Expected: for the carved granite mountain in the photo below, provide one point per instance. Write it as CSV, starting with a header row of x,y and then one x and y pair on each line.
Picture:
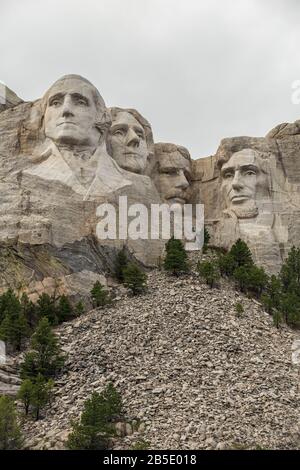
x,y
66,154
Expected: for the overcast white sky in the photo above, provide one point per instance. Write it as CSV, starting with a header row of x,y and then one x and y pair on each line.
x,y
198,70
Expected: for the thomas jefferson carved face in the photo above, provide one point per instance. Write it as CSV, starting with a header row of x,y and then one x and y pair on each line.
x,y
71,113
127,142
244,183
174,173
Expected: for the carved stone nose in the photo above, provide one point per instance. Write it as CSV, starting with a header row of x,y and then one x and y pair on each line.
x,y
182,181
132,138
67,112
237,183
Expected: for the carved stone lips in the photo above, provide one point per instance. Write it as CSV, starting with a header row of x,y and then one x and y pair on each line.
x,y
135,154
239,198
178,199
66,122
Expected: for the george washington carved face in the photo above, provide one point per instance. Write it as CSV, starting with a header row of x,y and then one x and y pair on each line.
x,y
73,109
244,183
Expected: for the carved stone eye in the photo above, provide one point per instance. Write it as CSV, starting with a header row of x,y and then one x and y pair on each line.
x,y
55,103
227,175
119,132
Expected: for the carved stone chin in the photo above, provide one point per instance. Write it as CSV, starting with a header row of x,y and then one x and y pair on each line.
x,y
245,212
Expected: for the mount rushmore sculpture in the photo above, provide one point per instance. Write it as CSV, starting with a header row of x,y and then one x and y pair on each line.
x,y
65,154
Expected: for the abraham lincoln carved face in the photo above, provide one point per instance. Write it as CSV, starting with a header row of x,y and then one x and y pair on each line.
x,y
244,183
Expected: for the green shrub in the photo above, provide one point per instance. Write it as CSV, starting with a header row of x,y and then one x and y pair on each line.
x,y
209,271
100,296
239,309
46,357
120,265
176,260
95,427
134,278
10,434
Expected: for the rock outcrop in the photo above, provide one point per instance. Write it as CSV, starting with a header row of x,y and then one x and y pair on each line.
x,y
8,99
9,378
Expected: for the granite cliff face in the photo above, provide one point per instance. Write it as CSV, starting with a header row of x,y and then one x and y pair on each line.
x,y
55,174
66,154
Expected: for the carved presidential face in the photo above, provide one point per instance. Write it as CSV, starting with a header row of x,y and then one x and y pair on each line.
x,y
174,175
244,183
127,142
71,114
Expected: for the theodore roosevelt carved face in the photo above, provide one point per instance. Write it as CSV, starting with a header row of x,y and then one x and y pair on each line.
x,y
244,183
173,173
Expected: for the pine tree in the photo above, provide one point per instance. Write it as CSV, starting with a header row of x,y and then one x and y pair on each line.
x,y
46,308
64,309
290,308
134,278
30,366
120,265
227,265
9,304
25,394
13,326
290,271
206,240
29,311
10,434
79,308
95,426
46,358
100,296
239,309
251,278
112,398
271,298
41,395
176,257
241,254
277,318
209,271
